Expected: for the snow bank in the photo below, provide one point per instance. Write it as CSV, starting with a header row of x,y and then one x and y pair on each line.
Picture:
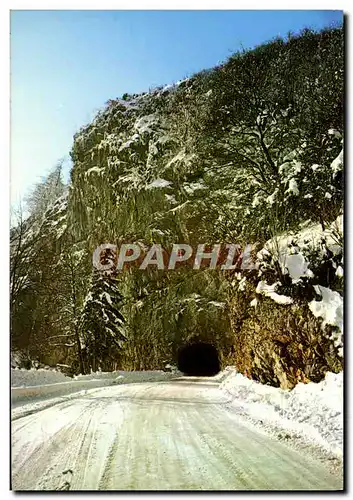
x,y
312,411
127,377
26,378
30,384
30,393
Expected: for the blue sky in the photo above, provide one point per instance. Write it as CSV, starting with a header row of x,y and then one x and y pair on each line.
x,y
66,64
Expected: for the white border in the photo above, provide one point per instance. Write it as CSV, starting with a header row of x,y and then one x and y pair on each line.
x,y
4,185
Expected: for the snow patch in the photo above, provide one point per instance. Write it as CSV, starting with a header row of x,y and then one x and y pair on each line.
x,y
309,239
330,309
293,187
296,266
194,186
158,183
145,123
217,304
339,272
337,164
269,291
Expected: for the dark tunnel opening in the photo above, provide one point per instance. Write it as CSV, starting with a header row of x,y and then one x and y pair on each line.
x,y
198,359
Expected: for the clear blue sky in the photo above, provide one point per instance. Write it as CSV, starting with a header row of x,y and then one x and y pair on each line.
x,y
66,64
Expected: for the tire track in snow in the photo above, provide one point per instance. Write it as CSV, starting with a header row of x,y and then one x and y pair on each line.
x,y
57,438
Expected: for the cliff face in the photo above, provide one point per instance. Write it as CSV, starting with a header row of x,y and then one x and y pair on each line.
x,y
239,153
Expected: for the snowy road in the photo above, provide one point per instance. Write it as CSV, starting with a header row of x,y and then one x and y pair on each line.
x,y
176,435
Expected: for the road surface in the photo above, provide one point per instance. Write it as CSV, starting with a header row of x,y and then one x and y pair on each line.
x,y
176,435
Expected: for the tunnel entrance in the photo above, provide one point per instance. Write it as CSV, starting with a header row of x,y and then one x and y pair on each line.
x,y
198,359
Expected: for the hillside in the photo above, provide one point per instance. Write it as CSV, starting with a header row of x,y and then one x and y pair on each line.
x,y
249,152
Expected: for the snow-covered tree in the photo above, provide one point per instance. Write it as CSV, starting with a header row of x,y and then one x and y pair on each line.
x,y
101,323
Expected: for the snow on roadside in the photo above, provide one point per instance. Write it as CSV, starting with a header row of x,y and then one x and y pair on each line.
x,y
32,384
127,377
26,378
31,378
312,411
